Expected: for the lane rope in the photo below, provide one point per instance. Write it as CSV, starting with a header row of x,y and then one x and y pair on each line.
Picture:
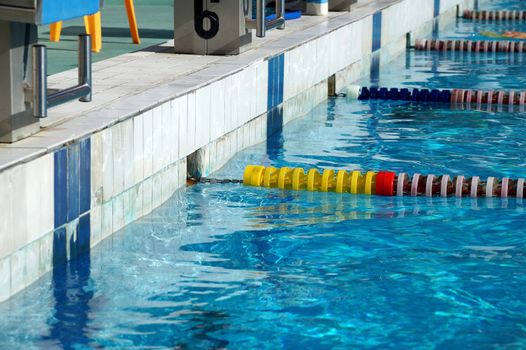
x,y
470,45
504,15
382,183
454,96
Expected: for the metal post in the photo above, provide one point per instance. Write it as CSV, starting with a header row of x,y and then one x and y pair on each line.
x,y
16,115
39,81
85,64
81,91
280,13
260,18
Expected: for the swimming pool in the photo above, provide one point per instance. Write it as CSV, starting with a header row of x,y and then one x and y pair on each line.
x,y
230,266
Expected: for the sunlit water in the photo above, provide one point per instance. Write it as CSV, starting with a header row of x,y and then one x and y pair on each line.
x,y
226,266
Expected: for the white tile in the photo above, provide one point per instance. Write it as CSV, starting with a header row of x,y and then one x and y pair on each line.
x,y
46,254
32,262
138,149
251,88
166,191
217,109
138,198
182,173
148,143
96,225
128,151
203,112
18,270
6,208
107,164
20,207
118,158
118,212
230,102
107,219
166,137
262,87
246,135
33,213
176,120
157,190
47,193
147,196
157,140
220,155
253,132
96,169
128,204
5,278
242,97
191,139
182,115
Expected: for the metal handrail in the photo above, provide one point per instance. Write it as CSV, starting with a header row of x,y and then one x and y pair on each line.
x,y
261,24
82,91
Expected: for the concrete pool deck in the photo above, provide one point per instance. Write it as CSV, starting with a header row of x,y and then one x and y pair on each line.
x,y
155,116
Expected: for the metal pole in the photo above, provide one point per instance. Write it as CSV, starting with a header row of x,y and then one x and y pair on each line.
x,y
85,77
260,18
280,12
39,81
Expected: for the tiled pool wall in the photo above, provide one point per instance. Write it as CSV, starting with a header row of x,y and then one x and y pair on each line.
x,y
61,204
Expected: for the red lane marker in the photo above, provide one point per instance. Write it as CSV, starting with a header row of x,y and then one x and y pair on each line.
x,y
385,183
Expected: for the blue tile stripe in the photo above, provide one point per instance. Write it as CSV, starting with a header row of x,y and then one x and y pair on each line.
x,y
377,31
276,76
73,187
72,199
61,187
436,11
85,175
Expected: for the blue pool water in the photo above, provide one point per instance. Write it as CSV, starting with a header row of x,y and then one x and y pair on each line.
x,y
226,266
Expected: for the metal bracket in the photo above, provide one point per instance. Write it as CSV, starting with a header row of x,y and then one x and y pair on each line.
x,y
41,98
261,24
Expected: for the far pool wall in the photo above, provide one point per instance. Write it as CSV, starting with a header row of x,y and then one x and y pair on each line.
x,y
67,199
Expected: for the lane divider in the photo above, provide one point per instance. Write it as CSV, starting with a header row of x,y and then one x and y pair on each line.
x,y
455,96
469,45
495,15
382,183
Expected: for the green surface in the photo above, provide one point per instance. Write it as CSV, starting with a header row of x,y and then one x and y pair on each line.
x,y
154,18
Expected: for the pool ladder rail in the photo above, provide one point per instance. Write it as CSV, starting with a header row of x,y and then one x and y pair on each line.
x,y
41,97
382,183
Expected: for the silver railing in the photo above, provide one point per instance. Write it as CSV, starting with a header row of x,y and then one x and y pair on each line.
x,y
41,99
261,24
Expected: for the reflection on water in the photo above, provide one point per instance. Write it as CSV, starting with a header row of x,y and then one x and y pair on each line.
x,y
72,292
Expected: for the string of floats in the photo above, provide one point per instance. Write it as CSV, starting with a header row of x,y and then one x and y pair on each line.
x,y
383,183
467,96
513,15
